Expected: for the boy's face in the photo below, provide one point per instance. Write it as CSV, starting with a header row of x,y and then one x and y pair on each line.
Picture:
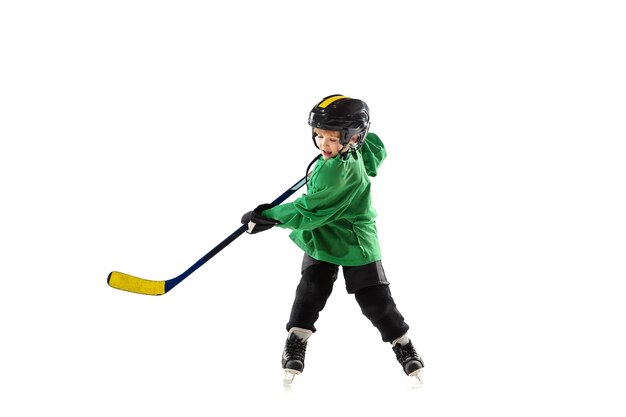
x,y
329,142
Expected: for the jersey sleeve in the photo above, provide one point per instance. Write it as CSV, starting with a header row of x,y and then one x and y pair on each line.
x,y
374,153
335,187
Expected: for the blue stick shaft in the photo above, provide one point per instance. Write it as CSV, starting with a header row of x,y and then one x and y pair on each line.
x,y
175,281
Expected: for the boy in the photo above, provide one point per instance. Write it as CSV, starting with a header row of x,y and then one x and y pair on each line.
x,y
333,223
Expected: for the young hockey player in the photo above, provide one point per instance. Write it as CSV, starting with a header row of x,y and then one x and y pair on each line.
x,y
333,223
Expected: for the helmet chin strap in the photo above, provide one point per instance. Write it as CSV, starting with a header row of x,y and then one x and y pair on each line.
x,y
347,148
308,168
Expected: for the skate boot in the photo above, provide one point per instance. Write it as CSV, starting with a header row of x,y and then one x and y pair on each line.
x,y
411,362
293,354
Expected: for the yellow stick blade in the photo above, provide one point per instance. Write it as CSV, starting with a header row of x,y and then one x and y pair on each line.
x,y
134,284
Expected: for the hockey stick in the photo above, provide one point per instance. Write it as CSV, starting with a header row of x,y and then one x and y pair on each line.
x,y
138,285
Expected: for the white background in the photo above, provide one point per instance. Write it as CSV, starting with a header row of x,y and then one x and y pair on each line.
x,y
135,134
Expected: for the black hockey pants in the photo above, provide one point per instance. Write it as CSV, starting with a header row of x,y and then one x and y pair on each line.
x,y
369,286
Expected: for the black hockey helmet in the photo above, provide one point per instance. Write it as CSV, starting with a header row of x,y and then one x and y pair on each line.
x,y
350,116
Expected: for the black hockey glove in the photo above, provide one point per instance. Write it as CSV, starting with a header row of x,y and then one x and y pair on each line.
x,y
257,223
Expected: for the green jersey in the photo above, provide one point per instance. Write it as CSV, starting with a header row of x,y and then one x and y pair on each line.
x,y
334,220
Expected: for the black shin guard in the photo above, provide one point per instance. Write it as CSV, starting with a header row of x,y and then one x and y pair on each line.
x,y
378,306
312,293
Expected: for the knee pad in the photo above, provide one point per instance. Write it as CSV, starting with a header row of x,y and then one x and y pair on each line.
x,y
316,280
375,302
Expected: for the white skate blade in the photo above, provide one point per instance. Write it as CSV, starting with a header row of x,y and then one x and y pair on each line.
x,y
418,375
289,375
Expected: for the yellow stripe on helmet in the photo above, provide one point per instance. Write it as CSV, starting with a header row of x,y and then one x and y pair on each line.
x,y
330,100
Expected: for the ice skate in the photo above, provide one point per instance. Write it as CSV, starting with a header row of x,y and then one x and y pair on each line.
x,y
411,362
293,354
